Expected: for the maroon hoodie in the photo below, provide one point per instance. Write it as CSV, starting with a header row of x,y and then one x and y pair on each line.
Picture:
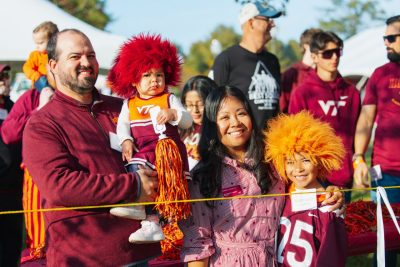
x,y
338,103
67,151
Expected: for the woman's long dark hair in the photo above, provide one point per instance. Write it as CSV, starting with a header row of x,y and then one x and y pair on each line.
x,y
203,86
208,171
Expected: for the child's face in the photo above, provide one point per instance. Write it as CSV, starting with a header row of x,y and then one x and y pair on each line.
x,y
40,40
151,84
234,126
195,105
301,171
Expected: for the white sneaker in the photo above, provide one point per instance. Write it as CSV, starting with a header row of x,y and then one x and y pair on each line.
x,y
134,212
150,232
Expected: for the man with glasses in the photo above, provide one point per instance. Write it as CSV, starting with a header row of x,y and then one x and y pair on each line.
x,y
382,105
10,183
248,66
330,98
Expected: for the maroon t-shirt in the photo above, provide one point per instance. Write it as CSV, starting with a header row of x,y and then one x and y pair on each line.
x,y
292,78
383,90
311,238
337,103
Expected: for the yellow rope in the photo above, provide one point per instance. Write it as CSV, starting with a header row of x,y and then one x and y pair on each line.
x,y
184,201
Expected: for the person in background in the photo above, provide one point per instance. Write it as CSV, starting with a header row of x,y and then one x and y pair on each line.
x,y
381,104
308,152
193,97
12,131
10,183
35,66
68,151
234,232
332,99
298,72
249,66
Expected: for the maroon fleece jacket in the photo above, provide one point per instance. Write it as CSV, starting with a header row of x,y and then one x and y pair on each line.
x,y
68,153
337,103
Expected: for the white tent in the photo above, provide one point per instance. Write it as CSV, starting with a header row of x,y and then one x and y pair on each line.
x,y
363,52
20,17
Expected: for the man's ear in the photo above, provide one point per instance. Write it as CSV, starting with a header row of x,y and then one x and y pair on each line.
x,y
314,58
52,66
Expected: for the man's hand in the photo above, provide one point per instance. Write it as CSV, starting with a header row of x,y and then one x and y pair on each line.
x,y
149,182
165,115
361,176
127,150
334,197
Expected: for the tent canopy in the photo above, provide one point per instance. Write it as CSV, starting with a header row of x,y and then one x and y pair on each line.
x,y
20,17
363,53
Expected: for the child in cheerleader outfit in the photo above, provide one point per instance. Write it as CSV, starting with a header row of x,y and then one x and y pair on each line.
x,y
143,70
304,150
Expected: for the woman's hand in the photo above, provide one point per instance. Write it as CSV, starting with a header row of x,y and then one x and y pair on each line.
x,y
335,198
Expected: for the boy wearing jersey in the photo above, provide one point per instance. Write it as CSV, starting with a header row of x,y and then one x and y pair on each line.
x,y
142,72
304,150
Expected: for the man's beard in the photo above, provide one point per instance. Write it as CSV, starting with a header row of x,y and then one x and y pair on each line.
x,y
393,56
79,86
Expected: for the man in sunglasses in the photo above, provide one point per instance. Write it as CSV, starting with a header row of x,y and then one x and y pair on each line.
x,y
329,97
248,66
10,183
382,105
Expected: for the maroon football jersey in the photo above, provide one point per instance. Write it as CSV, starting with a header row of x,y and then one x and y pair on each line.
x,y
311,238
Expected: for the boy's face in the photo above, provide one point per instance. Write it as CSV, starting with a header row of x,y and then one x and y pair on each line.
x,y
328,59
301,171
151,84
40,39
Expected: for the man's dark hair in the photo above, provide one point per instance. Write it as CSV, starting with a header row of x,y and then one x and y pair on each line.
x,y
393,19
306,37
52,52
321,39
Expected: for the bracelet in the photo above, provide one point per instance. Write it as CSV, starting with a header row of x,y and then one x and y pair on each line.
x,y
356,156
357,162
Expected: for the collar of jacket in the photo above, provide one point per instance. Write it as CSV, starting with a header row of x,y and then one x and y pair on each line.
x,y
97,98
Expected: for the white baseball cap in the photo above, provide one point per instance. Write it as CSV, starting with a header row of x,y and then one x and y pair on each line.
x,y
250,10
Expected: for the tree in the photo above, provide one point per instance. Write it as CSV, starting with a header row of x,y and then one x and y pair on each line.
x,y
200,58
90,11
348,17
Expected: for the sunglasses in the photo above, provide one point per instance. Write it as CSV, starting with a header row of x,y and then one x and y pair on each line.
x,y
4,75
327,54
391,38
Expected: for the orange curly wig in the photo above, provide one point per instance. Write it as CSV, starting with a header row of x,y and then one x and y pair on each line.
x,y
302,133
140,54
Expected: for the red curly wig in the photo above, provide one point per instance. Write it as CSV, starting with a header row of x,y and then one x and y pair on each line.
x,y
137,56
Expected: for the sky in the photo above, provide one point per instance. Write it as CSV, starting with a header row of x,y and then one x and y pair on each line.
x,y
187,21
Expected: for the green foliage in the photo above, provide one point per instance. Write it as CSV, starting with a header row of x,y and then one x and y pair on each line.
x,y
200,59
90,11
286,53
348,17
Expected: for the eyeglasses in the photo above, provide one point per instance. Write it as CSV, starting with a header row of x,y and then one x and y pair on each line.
x,y
199,106
327,54
263,18
4,75
391,38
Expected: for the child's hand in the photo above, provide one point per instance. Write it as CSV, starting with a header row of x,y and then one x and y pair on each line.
x,y
127,150
334,197
165,115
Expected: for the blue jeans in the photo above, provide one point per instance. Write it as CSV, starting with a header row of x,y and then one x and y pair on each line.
x,y
393,197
